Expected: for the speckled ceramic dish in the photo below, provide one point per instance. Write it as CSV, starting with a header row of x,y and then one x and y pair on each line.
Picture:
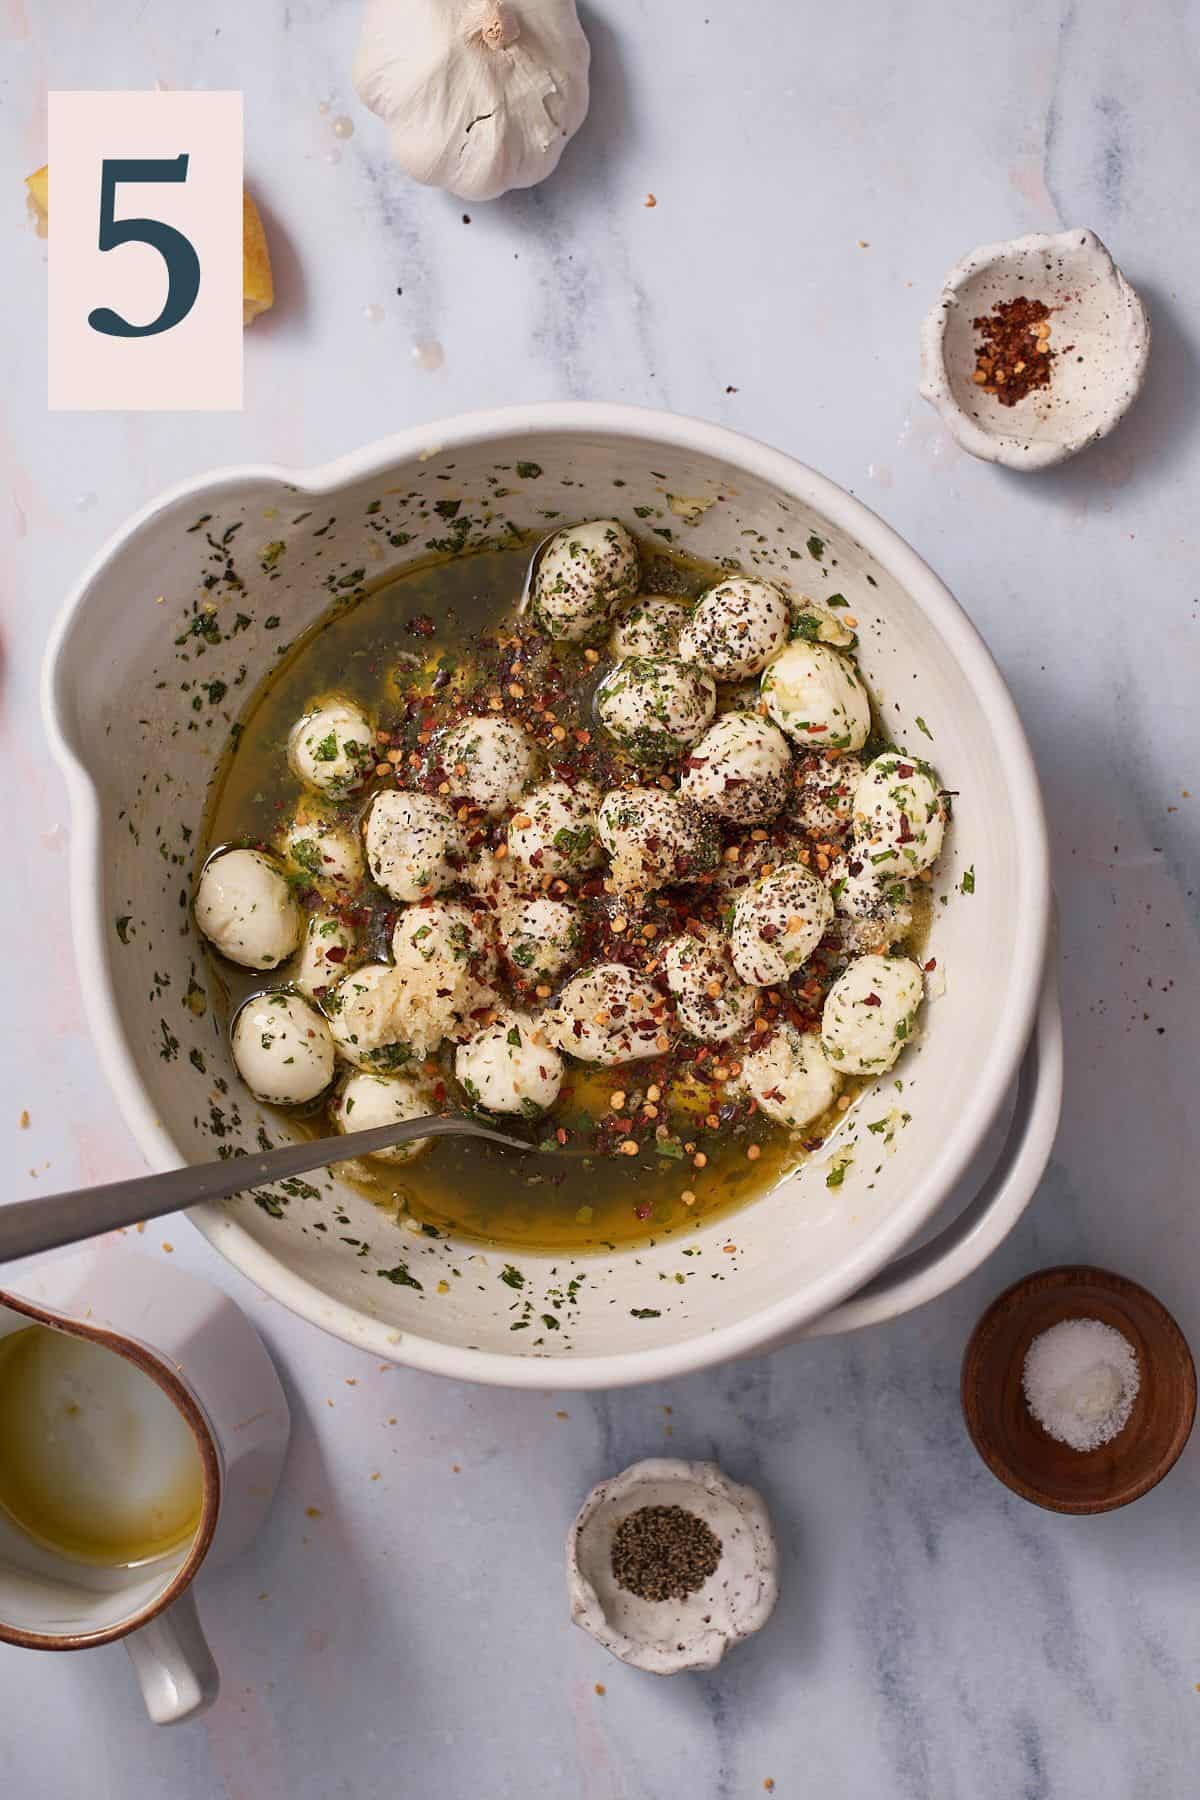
x,y
1099,337
166,636
694,1630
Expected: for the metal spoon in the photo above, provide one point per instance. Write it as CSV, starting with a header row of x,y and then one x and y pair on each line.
x,y
28,1226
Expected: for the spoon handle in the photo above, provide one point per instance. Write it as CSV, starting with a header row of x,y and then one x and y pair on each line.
x,y
49,1220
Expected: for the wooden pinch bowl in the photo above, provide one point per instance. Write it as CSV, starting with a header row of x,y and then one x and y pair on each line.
x,y
1024,1456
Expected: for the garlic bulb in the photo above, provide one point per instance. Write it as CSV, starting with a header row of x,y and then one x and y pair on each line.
x,y
479,95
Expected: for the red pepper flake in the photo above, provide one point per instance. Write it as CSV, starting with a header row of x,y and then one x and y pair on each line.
x,y
1013,356
931,965
872,1000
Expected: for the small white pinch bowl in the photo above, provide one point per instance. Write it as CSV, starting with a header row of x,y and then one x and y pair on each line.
x,y
668,1636
1092,387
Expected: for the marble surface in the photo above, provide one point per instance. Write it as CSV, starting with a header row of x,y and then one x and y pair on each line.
x,y
401,1628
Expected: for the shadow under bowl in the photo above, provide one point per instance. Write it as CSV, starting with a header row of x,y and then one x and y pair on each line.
x,y
1023,1455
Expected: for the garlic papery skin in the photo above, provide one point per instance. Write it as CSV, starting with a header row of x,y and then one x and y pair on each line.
x,y
479,96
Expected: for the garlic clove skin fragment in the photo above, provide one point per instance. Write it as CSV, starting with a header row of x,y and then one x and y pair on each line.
x,y
479,96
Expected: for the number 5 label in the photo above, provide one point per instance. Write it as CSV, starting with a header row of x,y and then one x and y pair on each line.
x,y
145,251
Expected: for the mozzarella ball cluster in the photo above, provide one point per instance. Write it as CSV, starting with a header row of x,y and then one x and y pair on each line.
x,y
583,573
654,707
710,856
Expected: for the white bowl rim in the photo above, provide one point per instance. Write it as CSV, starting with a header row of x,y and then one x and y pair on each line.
x,y
772,1324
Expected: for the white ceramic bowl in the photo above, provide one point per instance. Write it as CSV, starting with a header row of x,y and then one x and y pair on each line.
x,y
138,755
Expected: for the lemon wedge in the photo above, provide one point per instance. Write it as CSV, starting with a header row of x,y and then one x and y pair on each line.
x,y
258,289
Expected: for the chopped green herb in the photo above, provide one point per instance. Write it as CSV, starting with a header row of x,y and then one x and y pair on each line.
x,y
400,1277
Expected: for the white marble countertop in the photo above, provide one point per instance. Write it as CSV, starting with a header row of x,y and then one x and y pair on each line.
x,y
816,171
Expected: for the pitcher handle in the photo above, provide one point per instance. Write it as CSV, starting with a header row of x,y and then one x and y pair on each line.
x,y
174,1664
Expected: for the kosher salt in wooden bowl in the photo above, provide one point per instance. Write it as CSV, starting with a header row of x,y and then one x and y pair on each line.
x,y
1023,1455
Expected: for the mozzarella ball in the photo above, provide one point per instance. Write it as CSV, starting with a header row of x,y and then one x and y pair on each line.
x,y
817,696
608,1014
324,954
737,627
499,879
541,938
246,909
489,761
899,815
582,574
282,1048
650,627
509,1067
875,911
553,832
790,1077
362,1018
445,965
366,1101
871,1012
820,624
332,748
822,796
777,924
655,707
328,854
740,769
655,837
414,844
447,933
713,1003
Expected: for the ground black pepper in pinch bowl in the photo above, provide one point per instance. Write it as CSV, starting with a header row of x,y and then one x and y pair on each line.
x,y
670,1563
664,1553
